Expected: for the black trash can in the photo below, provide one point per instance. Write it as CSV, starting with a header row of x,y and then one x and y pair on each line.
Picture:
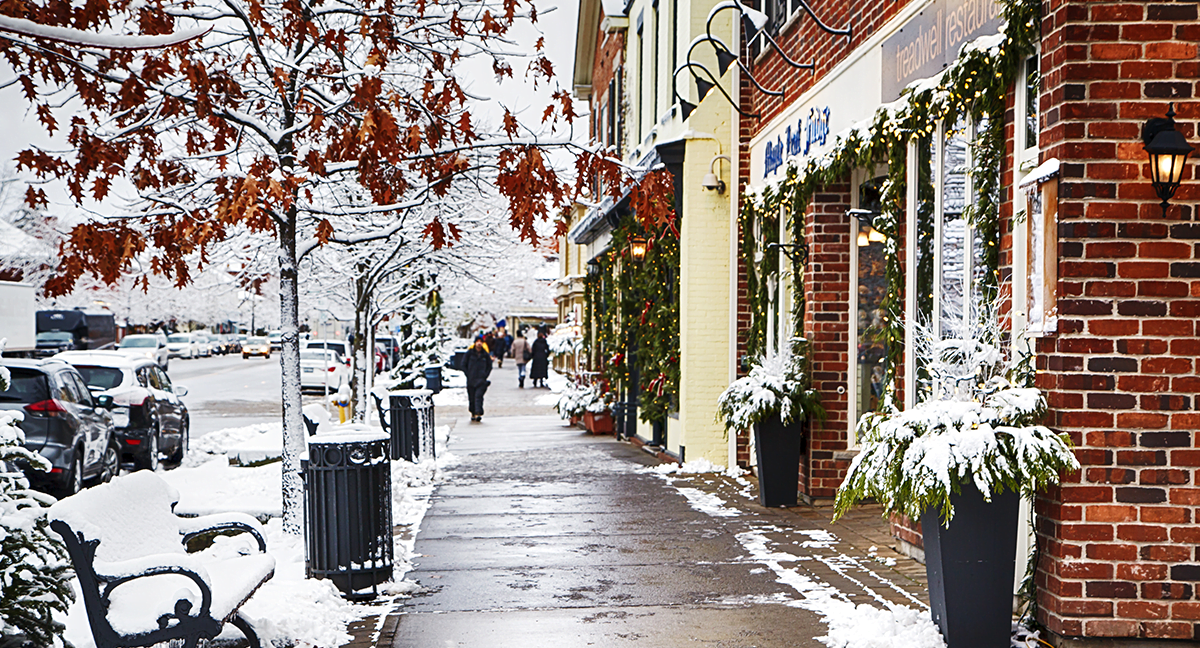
x,y
433,378
408,420
456,361
348,512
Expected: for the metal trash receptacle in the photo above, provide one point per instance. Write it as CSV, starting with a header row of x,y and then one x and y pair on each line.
x,y
348,511
408,420
456,360
433,378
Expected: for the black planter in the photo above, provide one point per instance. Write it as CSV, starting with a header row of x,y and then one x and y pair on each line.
x,y
777,448
970,566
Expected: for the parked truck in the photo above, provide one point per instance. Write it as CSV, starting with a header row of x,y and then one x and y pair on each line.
x,y
79,330
17,318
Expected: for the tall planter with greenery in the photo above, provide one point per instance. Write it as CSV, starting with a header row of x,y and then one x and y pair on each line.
x,y
775,399
959,461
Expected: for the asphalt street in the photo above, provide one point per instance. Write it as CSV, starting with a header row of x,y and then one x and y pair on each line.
x,y
227,391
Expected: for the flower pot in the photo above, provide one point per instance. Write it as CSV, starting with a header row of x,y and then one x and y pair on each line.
x,y
970,567
777,447
601,423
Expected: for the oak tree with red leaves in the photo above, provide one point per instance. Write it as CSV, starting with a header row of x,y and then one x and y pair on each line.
x,y
267,116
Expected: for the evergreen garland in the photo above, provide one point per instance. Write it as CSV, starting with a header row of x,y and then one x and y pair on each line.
x,y
975,86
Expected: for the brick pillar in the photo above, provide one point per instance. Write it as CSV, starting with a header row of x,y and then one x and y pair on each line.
x,y
1120,538
827,326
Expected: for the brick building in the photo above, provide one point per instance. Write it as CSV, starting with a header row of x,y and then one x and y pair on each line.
x,y
1102,284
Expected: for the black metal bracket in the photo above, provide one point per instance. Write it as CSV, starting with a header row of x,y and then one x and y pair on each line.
x,y
796,252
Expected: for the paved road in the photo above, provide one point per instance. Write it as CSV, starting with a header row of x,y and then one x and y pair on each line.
x,y
227,391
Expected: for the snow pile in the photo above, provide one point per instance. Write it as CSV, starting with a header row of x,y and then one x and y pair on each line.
x,y
865,626
694,467
203,449
778,384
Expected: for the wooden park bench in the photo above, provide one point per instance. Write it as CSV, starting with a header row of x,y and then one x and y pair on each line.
x,y
140,585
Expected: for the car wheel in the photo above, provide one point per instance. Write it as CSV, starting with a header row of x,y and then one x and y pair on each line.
x,y
149,460
74,481
112,463
245,356
176,456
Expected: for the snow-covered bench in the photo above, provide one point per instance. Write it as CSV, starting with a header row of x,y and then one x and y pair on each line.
x,y
140,585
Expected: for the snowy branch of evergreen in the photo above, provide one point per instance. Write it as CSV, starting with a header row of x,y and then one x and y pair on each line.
x,y
577,400
779,383
34,569
979,421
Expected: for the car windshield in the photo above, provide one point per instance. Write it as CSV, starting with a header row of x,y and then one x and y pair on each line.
x,y
333,346
25,386
54,336
180,337
100,378
317,356
139,341
257,340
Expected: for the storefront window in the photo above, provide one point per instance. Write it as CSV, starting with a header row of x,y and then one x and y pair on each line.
x,y
869,255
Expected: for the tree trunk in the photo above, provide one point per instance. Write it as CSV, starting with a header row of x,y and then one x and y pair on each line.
x,y
289,361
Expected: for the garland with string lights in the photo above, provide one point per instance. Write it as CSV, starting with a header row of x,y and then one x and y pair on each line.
x,y
640,300
975,86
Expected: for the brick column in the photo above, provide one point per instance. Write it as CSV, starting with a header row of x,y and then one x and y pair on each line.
x,y
1120,538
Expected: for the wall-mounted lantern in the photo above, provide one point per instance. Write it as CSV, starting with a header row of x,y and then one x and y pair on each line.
x,y
1168,152
637,249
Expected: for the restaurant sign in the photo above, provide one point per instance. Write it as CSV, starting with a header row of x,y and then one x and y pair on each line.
x,y
931,40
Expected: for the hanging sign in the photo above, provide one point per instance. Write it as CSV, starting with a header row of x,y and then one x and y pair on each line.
x,y
931,40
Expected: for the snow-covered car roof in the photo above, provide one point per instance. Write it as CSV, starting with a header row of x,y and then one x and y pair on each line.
x,y
113,359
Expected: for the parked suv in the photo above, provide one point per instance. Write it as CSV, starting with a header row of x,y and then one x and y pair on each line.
x,y
63,422
183,345
150,419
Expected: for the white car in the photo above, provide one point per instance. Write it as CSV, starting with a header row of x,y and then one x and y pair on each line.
x,y
321,369
204,343
150,421
149,345
342,348
183,345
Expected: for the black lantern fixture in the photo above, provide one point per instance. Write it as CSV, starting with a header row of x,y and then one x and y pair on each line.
x,y
1168,152
637,249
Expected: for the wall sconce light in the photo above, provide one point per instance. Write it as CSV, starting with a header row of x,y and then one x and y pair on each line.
x,y
1168,152
711,181
637,249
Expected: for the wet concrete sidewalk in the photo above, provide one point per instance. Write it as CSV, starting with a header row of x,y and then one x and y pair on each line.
x,y
542,534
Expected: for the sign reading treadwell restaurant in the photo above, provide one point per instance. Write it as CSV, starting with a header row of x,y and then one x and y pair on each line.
x,y
922,47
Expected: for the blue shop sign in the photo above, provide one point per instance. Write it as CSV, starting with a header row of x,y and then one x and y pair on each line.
x,y
798,139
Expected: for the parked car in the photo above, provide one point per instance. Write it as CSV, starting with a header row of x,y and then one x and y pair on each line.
x,y
52,342
149,417
256,346
63,422
341,346
204,343
276,338
321,369
233,343
149,345
393,349
183,345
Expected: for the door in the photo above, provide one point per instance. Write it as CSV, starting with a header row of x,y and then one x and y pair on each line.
x,y
95,425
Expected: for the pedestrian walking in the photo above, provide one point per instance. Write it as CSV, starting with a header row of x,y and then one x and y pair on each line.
x,y
522,353
540,360
499,347
477,365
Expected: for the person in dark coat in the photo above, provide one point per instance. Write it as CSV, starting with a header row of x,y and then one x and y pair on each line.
x,y
539,368
477,366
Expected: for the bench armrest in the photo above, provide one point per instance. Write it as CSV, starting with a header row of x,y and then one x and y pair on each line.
x,y
113,574
191,527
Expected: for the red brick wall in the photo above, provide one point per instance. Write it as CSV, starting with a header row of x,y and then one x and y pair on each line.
x,y
1121,539
827,327
610,48
804,42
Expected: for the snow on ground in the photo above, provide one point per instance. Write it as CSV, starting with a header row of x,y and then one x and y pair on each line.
x,y
288,610
879,625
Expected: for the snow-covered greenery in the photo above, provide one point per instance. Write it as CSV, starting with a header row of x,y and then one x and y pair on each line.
x,y
576,400
565,338
979,421
34,569
779,383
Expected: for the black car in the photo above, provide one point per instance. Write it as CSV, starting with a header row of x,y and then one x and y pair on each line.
x,y
63,422
52,342
151,421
